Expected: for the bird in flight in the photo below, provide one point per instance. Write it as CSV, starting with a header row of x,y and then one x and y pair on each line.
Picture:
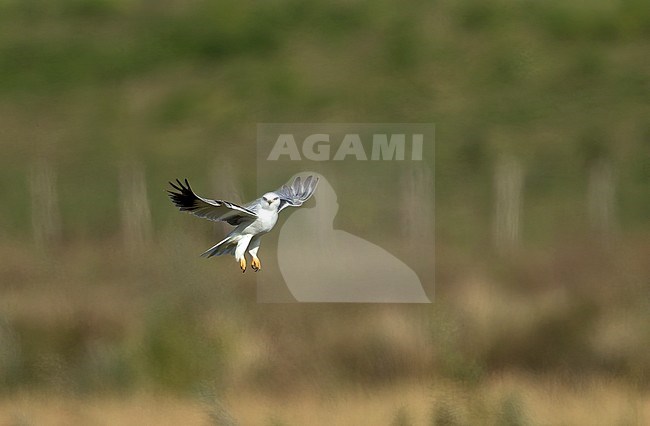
x,y
251,221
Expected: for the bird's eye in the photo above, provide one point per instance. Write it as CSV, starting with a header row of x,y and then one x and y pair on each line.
x,y
276,198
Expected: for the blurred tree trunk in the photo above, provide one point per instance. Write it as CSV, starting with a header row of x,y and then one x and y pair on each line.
x,y
417,206
508,185
601,195
46,217
135,212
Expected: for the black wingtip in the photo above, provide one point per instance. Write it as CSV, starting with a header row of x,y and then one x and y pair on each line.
x,y
175,187
184,199
181,186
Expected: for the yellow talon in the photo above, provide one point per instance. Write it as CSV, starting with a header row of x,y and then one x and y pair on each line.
x,y
255,264
242,264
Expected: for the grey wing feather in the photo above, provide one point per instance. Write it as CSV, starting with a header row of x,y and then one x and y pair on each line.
x,y
217,210
297,193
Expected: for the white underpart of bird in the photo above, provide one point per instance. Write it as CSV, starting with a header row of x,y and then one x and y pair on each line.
x,y
251,221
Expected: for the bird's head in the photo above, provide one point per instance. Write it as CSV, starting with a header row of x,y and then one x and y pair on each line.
x,y
270,201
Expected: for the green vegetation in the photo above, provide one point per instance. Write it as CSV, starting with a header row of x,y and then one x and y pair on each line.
x,y
176,88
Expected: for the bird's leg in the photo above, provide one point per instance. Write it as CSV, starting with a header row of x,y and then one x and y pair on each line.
x,y
255,264
252,250
241,249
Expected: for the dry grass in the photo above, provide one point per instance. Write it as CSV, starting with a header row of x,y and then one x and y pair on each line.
x,y
510,399
140,409
89,346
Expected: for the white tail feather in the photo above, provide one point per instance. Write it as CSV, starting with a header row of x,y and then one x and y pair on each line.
x,y
225,246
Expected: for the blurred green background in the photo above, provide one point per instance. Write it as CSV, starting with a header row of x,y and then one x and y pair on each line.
x,y
542,200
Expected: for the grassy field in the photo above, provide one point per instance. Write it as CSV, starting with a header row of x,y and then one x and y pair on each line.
x,y
96,336
107,315
503,400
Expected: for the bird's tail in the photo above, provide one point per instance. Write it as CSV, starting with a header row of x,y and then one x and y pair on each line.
x,y
225,246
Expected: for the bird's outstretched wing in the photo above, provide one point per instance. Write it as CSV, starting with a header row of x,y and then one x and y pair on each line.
x,y
218,210
297,193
